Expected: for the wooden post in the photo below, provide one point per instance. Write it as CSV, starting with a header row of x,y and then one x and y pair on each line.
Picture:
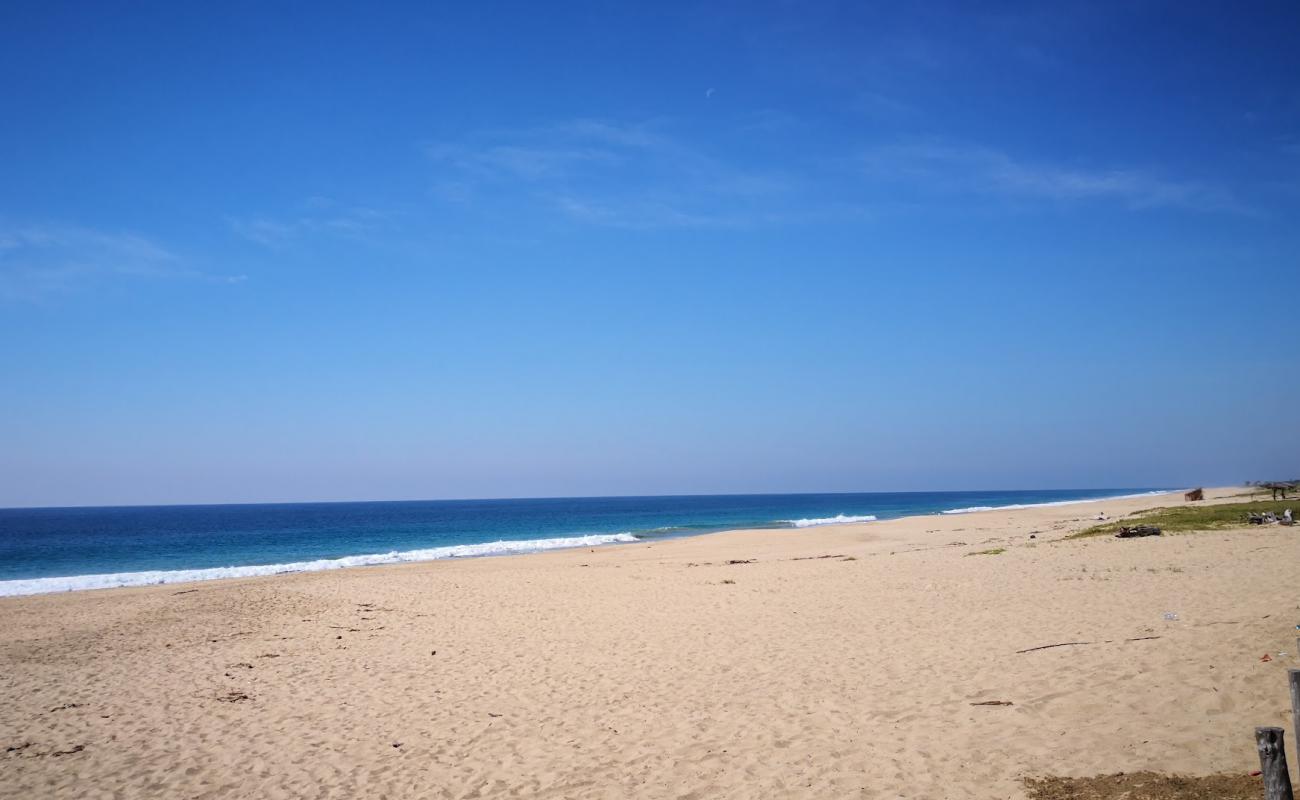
x,y
1293,675
1272,762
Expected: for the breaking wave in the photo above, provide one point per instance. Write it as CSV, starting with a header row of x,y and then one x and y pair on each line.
x,y
152,577
838,519
1015,506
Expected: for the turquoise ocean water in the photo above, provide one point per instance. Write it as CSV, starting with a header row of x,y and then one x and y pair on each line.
x,y
61,549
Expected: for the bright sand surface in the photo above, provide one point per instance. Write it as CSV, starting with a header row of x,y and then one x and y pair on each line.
x,y
661,670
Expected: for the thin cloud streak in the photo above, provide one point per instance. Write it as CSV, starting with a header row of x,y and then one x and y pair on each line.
x,y
355,222
969,169
40,260
609,174
639,176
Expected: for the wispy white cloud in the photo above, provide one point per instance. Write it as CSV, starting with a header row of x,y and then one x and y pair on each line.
x,y
883,106
644,215
529,162
39,260
263,231
599,172
642,176
969,169
320,215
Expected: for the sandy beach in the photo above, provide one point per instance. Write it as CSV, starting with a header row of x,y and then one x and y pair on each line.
x,y
840,661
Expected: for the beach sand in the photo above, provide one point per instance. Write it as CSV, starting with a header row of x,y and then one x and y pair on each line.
x,y
840,661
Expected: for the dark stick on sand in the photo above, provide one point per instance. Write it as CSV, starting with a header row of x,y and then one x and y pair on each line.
x,y
1072,644
1049,646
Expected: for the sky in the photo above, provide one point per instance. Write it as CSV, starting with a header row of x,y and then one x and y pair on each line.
x,y
259,252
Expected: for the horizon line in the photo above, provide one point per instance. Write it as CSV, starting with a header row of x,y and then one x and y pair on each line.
x,y
91,506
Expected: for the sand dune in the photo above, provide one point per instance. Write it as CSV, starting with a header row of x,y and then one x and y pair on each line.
x,y
838,661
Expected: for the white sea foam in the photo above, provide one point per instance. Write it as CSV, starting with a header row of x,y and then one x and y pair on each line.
x,y
116,579
1015,506
838,519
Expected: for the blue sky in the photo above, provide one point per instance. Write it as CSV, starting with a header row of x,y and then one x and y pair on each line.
x,y
273,251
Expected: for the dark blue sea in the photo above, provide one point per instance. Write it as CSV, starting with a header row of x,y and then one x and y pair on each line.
x,y
60,549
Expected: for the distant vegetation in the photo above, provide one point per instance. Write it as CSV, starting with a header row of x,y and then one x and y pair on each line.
x,y
1194,518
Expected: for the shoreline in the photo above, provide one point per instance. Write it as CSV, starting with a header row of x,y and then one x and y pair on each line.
x,y
734,665
26,587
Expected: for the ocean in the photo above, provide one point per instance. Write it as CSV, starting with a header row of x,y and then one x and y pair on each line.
x,y
64,549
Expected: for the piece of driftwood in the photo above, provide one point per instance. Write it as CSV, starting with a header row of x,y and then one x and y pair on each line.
x,y
1130,532
1050,646
1272,763
994,703
1072,644
1195,494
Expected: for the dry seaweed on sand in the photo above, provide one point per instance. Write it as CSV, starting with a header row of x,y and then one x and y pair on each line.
x,y
1145,786
1137,531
